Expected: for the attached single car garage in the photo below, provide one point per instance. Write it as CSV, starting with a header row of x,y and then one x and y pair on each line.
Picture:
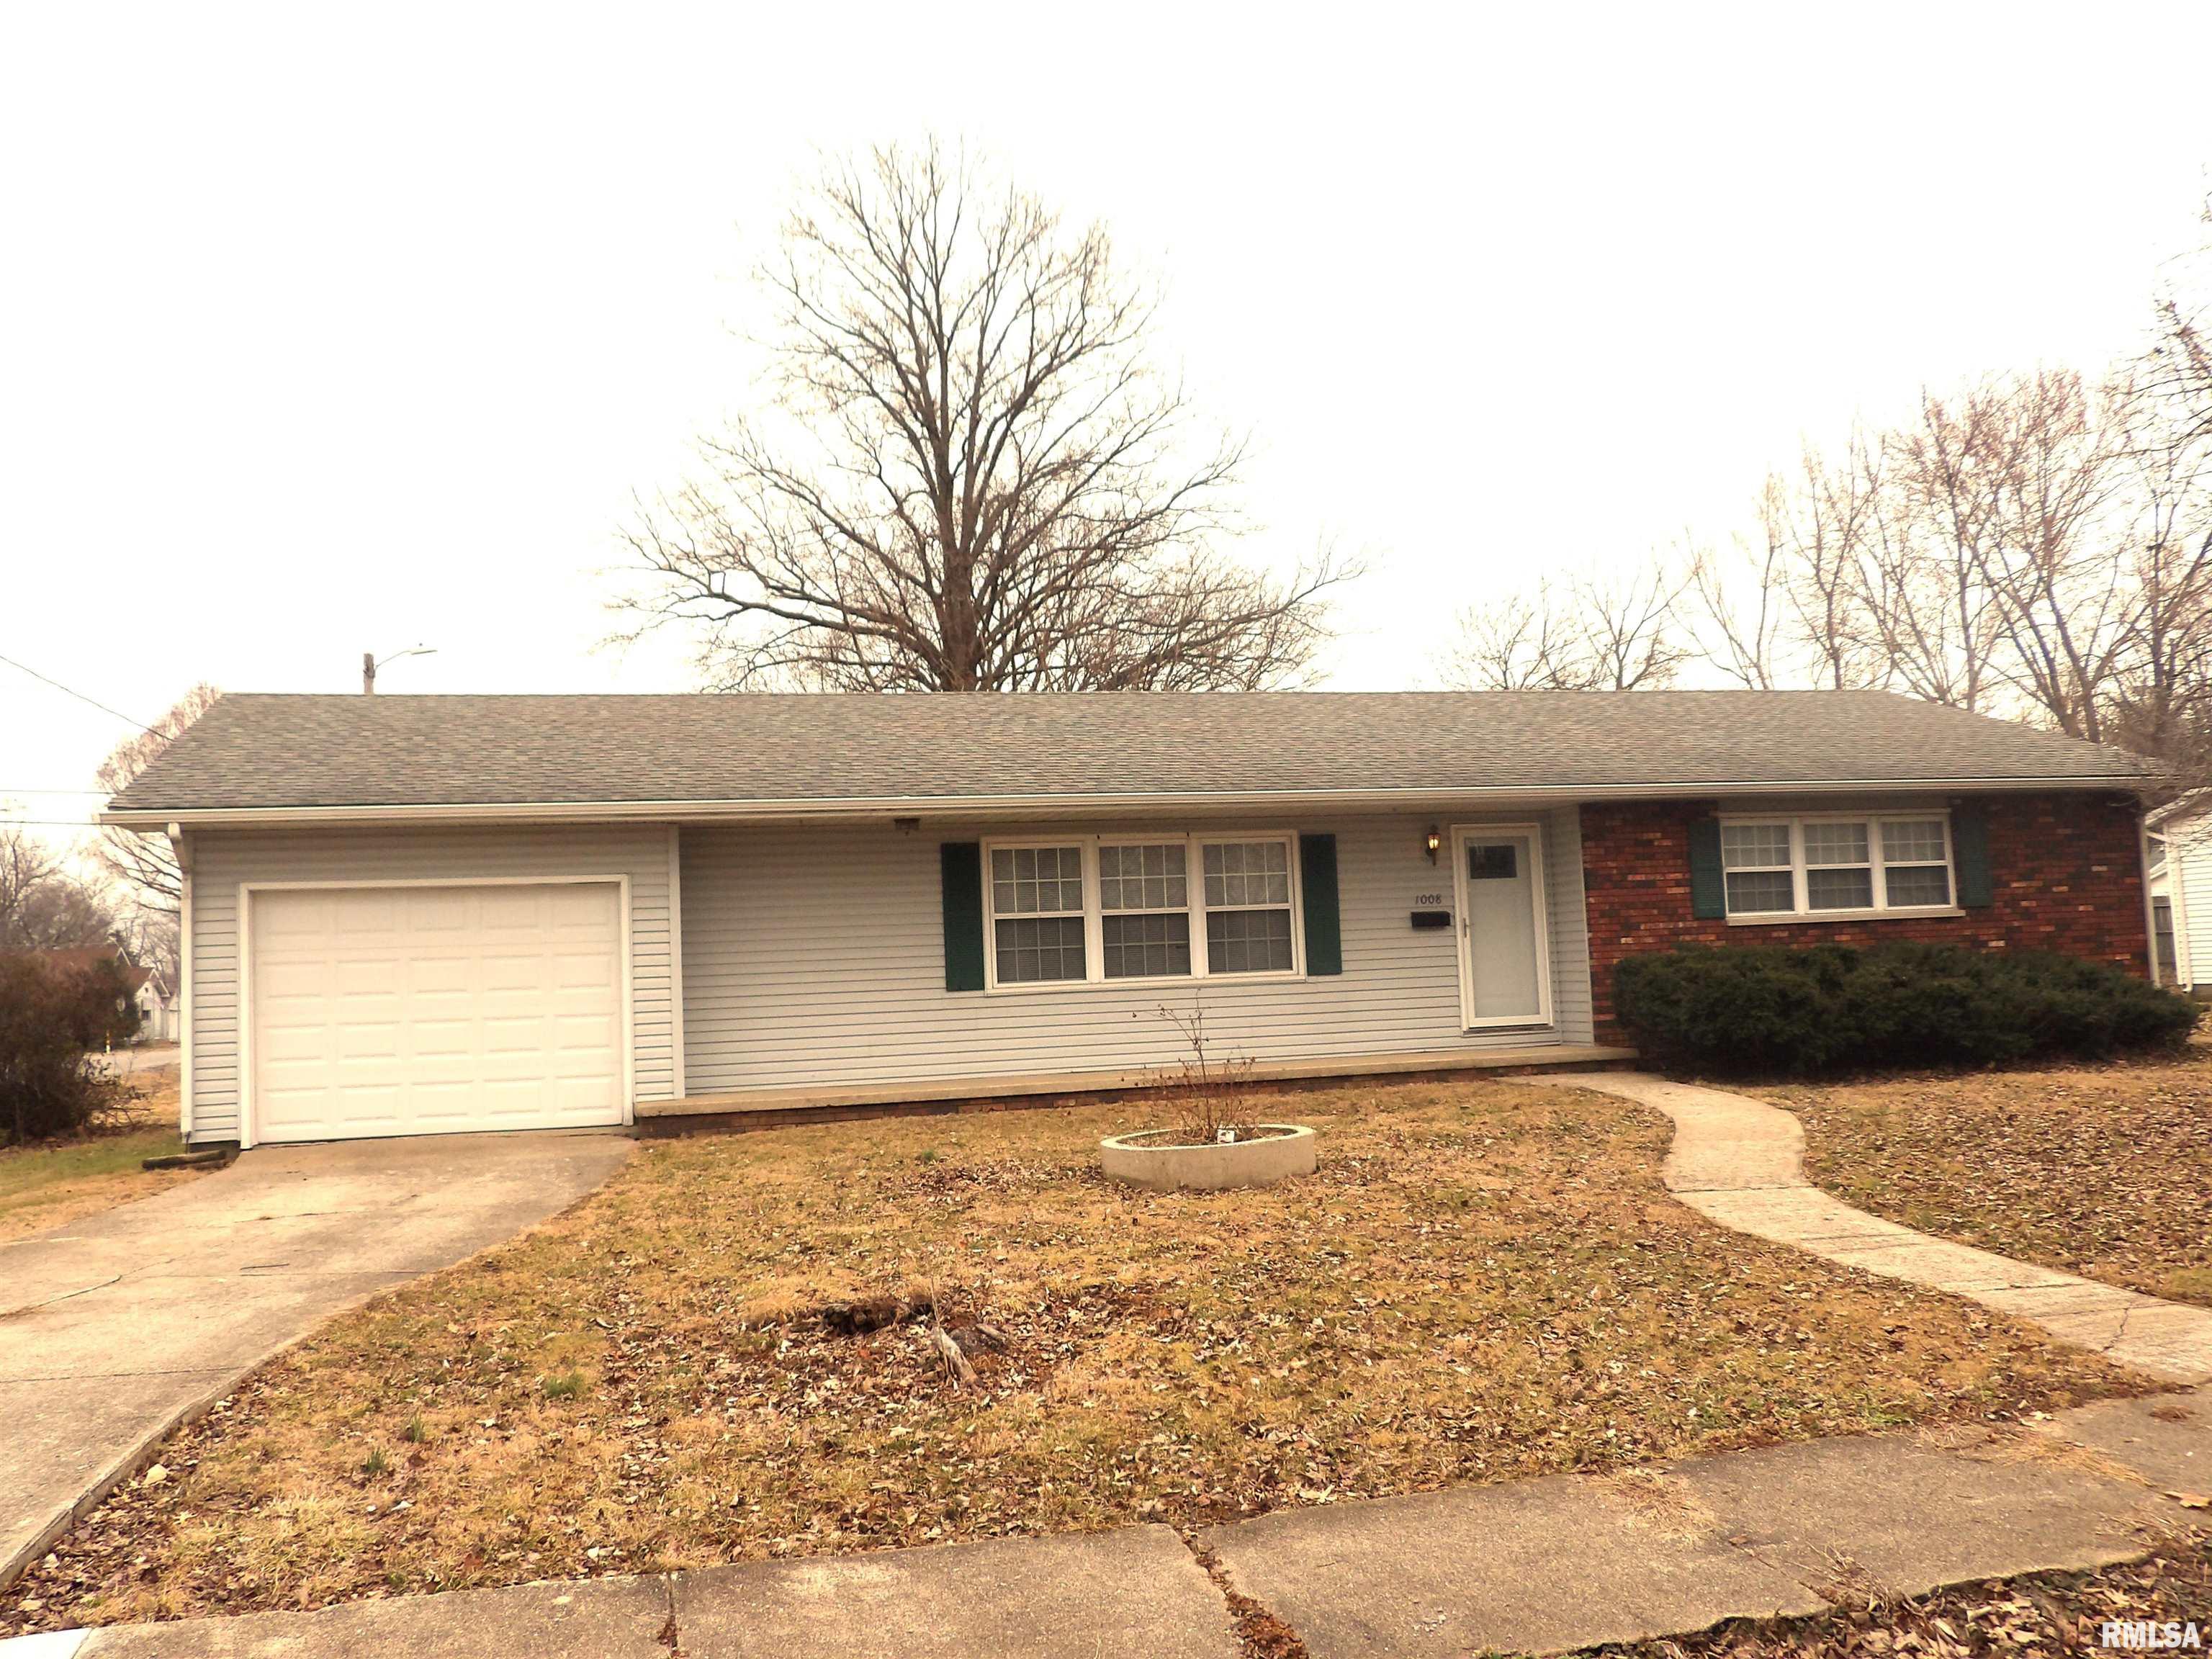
x,y
403,1009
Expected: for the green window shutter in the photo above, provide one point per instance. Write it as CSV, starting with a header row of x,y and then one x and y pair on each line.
x,y
962,862
1708,888
1318,886
1970,849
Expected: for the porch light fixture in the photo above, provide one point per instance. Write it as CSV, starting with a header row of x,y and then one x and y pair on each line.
x,y
1436,841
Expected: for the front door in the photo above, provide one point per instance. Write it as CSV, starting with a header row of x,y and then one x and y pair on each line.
x,y
1505,976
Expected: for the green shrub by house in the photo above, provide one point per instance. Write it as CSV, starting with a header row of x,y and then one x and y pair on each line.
x,y
1829,1008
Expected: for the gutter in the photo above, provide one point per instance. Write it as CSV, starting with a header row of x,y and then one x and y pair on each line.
x,y
1032,805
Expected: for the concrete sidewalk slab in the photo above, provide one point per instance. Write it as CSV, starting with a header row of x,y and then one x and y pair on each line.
x,y
1536,1566
594,1618
1890,1512
1739,1162
2165,1438
1132,1593
1533,1566
117,1326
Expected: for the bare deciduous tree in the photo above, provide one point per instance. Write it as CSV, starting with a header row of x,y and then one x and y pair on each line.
x,y
1737,608
145,867
971,476
1592,633
2178,368
43,906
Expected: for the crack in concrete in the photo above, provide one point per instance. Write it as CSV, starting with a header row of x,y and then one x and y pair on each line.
x,y
668,1636
1261,1632
66,1296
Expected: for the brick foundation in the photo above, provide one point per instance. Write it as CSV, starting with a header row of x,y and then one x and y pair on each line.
x,y
2065,872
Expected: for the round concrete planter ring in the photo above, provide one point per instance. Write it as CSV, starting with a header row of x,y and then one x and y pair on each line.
x,y
1148,1159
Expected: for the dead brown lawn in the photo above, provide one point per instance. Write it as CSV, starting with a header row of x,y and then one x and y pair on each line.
x,y
2103,1170
1485,1280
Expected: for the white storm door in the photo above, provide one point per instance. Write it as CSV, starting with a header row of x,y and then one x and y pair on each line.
x,y
402,1011
1505,976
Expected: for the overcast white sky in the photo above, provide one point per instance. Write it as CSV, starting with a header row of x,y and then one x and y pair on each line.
x,y
325,330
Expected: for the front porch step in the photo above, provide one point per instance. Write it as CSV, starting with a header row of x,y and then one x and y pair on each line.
x,y
766,1107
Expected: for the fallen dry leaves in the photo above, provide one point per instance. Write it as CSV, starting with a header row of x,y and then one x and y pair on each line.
x,y
2103,1170
1485,1280
2046,1613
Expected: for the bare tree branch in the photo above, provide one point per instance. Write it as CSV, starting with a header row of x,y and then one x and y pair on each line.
x,y
42,906
1595,633
143,865
970,476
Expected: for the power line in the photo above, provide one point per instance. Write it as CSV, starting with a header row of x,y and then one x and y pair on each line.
x,y
54,823
80,697
9,794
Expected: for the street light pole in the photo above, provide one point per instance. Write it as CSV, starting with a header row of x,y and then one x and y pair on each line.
x,y
369,665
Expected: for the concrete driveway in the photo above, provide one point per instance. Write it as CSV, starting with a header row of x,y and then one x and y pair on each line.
x,y
116,1326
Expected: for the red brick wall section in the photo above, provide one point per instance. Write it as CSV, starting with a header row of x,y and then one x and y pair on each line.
x,y
2065,873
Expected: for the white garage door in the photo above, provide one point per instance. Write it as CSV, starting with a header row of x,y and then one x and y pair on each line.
x,y
404,1011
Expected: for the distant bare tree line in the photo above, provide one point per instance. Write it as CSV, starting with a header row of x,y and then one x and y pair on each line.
x,y
2038,545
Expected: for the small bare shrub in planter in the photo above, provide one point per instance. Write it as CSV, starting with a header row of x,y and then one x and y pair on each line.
x,y
1216,1145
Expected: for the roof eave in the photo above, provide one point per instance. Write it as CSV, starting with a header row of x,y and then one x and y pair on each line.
x,y
974,806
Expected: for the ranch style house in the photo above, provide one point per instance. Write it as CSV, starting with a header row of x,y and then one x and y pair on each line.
x,y
422,915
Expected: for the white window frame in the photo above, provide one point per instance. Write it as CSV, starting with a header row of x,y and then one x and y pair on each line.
x,y
1881,908
1193,843
1095,907
1086,860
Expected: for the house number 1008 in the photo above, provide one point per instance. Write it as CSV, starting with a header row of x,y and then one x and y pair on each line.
x,y
1427,901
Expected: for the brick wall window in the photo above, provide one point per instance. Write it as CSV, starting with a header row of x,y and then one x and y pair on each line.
x,y
2065,874
1836,865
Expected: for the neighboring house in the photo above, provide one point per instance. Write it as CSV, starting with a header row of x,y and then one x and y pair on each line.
x,y
414,914
155,1003
2181,890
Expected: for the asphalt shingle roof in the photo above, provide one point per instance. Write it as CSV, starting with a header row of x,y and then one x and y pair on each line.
x,y
259,751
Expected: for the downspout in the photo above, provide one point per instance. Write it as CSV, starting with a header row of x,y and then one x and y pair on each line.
x,y
180,844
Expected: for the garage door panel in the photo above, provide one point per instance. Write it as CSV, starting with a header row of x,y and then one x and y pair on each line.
x,y
582,974
579,1033
354,1043
435,1010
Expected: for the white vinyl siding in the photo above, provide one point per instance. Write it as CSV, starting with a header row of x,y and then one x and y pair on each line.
x,y
221,859
2188,886
773,999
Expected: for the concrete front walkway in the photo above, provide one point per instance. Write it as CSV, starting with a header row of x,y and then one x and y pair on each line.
x,y
1527,1566
118,1325
1742,1162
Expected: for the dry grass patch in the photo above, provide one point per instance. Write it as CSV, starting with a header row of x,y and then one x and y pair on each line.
x,y
2102,1170
54,1182
1485,1280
